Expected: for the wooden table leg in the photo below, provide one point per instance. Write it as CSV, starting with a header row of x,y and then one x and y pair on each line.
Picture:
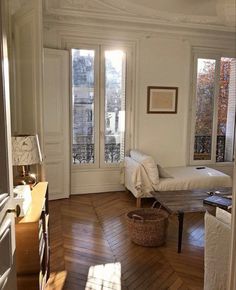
x,y
181,222
138,202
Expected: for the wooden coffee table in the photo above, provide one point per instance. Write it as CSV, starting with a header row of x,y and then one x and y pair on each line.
x,y
185,201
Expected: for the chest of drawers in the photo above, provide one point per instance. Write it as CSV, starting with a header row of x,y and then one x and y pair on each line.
x,y
32,242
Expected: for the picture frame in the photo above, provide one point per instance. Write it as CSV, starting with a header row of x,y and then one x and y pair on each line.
x,y
162,100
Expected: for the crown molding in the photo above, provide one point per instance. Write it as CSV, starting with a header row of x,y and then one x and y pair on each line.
x,y
61,35
132,14
137,30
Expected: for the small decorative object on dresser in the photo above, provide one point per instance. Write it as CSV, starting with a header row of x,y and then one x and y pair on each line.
x,y
22,198
32,242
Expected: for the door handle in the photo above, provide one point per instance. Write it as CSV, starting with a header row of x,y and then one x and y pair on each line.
x,y
16,210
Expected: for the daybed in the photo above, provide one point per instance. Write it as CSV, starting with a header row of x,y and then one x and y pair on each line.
x,y
143,175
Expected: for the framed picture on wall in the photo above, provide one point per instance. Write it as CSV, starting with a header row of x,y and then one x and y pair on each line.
x,y
162,100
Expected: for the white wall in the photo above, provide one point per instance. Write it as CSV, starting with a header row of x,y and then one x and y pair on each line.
x,y
167,61
164,62
163,58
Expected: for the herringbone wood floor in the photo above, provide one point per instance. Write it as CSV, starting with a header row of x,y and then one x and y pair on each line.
x,y
91,249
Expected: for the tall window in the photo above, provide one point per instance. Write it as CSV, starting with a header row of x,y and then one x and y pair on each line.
x,y
99,104
214,114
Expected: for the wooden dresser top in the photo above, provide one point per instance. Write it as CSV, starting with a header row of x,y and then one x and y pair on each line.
x,y
38,199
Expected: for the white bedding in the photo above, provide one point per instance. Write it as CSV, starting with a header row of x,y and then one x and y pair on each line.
x,y
192,178
138,182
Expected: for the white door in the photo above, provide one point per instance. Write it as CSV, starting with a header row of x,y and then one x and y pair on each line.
x,y
7,225
56,122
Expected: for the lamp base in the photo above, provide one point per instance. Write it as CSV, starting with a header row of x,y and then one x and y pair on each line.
x,y
25,177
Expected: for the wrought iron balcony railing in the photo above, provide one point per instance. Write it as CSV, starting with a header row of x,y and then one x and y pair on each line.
x,y
84,153
202,148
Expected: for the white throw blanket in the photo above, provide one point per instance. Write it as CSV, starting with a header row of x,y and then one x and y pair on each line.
x,y
136,179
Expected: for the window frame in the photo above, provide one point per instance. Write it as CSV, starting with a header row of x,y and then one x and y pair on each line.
x,y
99,109
215,55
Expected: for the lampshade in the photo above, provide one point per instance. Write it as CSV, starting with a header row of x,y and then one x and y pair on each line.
x,y
26,150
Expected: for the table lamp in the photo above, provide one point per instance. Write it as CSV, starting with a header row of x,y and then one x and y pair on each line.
x,y
25,152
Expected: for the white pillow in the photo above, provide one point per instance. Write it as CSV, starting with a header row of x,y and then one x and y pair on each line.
x,y
148,164
163,173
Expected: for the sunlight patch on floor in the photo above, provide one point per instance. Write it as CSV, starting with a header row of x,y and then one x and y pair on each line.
x,y
104,277
56,280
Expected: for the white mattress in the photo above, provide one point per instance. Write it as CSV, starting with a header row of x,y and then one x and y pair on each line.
x,y
192,178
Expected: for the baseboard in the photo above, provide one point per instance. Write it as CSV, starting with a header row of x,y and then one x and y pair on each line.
x,y
96,188
54,196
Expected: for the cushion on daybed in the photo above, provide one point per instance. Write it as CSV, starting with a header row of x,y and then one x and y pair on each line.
x,y
148,164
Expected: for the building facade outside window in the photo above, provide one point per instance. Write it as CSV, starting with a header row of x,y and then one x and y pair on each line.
x,y
213,115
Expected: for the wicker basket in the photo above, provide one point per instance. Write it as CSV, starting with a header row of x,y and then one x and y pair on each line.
x,y
148,226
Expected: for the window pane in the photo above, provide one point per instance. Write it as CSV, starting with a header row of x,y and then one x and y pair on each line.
x,y
83,105
226,110
114,105
204,108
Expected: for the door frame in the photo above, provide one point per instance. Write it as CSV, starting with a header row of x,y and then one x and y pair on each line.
x,y
7,220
